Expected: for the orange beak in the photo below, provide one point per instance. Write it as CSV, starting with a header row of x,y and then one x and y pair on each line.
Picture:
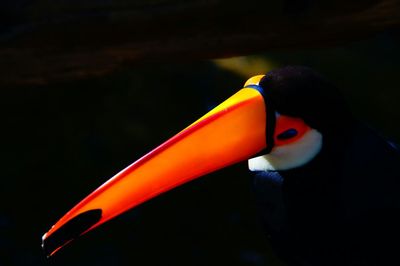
x,y
232,132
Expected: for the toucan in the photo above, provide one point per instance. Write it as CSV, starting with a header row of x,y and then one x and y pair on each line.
x,y
327,186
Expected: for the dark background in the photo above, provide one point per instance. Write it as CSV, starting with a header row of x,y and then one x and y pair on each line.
x,y
62,140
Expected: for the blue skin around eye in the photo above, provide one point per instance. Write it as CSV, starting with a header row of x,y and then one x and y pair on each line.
x,y
290,133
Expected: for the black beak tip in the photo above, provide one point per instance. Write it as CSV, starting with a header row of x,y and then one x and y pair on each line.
x,y
70,230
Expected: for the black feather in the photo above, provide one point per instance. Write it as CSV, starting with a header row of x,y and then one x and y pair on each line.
x,y
343,207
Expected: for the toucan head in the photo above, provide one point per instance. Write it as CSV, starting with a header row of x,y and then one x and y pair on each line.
x,y
276,121
309,111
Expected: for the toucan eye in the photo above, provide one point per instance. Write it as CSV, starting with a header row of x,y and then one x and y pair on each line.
x,y
290,133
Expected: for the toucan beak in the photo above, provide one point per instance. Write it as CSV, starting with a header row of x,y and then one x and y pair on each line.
x,y
232,132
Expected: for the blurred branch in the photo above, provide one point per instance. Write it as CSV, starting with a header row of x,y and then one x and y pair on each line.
x,y
44,41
